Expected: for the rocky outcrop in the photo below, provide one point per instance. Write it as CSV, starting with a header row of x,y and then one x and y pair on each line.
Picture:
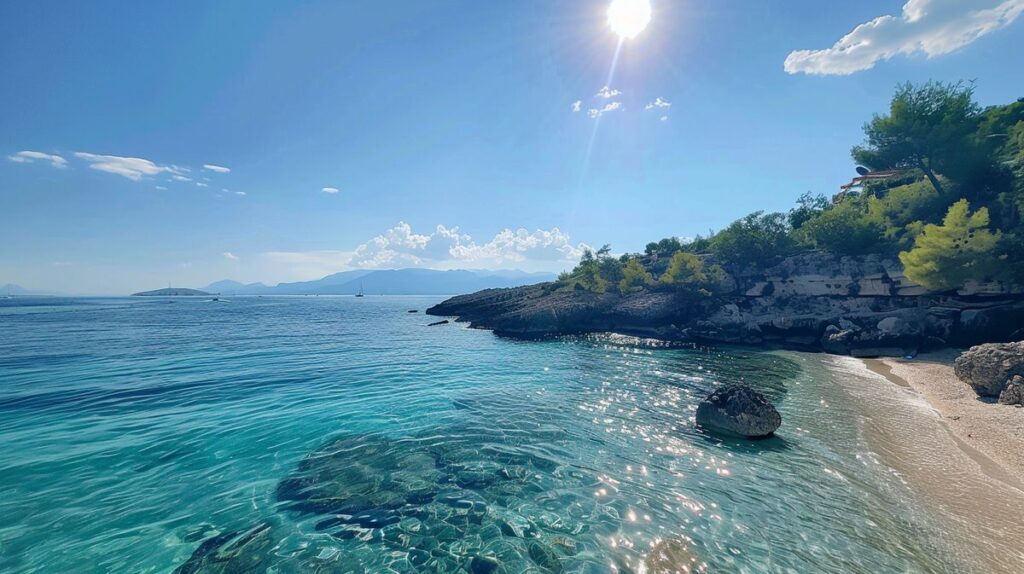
x,y
862,306
990,368
738,410
1013,394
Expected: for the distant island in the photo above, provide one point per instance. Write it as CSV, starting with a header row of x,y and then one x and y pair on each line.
x,y
172,292
924,249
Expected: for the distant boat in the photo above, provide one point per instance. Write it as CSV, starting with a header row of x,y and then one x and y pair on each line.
x,y
360,293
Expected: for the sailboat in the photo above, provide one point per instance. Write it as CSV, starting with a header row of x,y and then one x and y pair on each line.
x,y
360,293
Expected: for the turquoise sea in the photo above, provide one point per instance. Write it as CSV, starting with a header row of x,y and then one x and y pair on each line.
x,y
338,434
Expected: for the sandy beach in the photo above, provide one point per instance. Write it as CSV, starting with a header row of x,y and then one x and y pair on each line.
x,y
962,455
991,433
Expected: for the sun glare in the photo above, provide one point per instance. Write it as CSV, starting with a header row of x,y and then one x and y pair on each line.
x,y
629,17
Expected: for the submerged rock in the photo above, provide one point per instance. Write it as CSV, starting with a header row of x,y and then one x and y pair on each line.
x,y
360,478
989,368
544,556
445,322
1013,394
739,410
230,553
670,557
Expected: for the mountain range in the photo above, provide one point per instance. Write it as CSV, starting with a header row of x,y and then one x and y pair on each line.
x,y
389,282
18,290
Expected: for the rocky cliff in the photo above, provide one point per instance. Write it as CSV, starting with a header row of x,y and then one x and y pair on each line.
x,y
863,306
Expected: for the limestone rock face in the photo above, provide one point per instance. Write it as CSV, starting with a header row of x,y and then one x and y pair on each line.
x,y
738,410
989,368
862,306
1013,394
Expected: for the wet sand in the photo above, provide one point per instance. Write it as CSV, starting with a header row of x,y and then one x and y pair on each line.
x,y
986,428
964,457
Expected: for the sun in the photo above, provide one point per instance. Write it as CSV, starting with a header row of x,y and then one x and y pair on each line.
x,y
629,17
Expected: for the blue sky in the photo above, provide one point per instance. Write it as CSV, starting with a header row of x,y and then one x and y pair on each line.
x,y
451,113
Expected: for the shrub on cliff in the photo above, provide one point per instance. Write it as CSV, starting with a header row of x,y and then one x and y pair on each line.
x,y
757,238
899,211
688,272
845,229
634,277
961,249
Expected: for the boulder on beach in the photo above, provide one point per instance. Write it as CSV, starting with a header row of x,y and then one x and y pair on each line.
x,y
1013,394
738,410
989,368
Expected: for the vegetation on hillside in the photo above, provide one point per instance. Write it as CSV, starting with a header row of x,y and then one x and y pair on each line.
x,y
952,213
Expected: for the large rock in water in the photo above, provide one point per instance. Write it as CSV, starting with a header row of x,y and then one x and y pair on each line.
x,y
739,410
989,368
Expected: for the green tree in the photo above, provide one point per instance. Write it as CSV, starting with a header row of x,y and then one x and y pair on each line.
x,y
684,269
808,206
757,238
946,256
634,277
928,128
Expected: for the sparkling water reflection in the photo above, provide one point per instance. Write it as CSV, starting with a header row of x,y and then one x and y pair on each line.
x,y
343,435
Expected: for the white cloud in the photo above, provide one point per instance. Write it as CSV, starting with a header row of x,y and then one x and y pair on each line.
x,y
607,93
161,188
448,247
329,190
131,167
443,248
29,156
201,184
216,168
663,118
241,193
658,103
577,106
180,178
609,107
230,256
931,27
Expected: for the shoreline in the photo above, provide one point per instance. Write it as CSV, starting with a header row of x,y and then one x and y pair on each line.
x,y
991,434
960,457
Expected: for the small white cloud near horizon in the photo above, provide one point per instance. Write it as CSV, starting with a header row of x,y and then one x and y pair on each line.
x,y
609,107
444,248
242,193
230,256
201,184
447,247
658,102
133,168
161,188
663,119
331,190
216,168
577,106
607,93
180,178
29,156
931,27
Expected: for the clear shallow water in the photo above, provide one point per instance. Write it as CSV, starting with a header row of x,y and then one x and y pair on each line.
x,y
133,430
